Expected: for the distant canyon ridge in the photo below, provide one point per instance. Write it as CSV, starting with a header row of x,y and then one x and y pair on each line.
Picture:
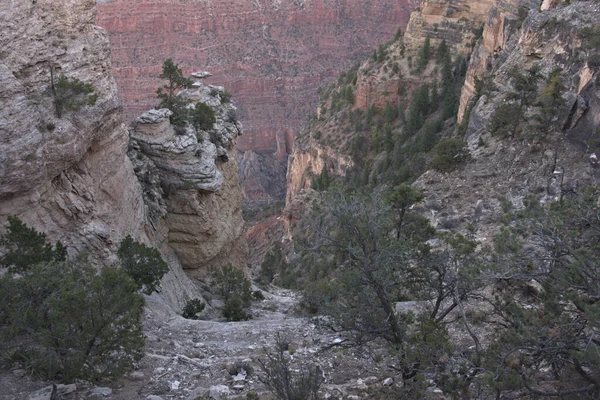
x,y
271,54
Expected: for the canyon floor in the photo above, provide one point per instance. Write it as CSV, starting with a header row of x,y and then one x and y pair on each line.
x,y
189,359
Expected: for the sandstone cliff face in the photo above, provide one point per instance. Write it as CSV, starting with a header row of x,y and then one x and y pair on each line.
x,y
191,179
73,181
71,178
458,22
271,54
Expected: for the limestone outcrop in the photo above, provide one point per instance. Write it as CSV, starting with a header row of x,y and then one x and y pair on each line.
x,y
68,174
190,179
551,162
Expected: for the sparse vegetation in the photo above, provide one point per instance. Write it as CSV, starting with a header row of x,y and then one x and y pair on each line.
x,y
287,383
71,94
449,154
192,308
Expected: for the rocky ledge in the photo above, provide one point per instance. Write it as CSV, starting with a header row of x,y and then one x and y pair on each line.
x,y
189,178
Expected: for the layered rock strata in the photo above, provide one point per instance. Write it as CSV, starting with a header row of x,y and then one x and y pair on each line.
x,y
272,55
69,176
552,164
391,79
191,179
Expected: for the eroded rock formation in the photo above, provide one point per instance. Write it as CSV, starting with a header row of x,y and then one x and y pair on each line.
x,y
191,179
68,174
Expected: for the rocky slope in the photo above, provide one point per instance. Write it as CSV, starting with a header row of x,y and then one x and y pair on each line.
x,y
550,164
549,159
271,54
69,175
391,78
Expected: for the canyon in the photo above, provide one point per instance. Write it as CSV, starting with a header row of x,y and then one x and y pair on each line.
x,y
272,55
83,179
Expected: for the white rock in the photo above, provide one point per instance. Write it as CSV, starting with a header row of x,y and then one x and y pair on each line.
x,y
137,375
174,385
218,392
104,391
388,382
201,74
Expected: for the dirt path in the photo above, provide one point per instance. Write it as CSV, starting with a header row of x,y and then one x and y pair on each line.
x,y
189,359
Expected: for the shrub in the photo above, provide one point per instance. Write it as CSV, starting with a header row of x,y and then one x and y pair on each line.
x,y
144,264
594,61
70,322
503,122
202,116
285,382
234,309
70,94
226,96
24,247
258,296
235,288
450,153
192,308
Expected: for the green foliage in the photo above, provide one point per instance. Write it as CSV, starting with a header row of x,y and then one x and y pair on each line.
x,y
398,34
168,93
547,347
258,296
70,94
192,308
24,247
275,264
504,121
424,55
449,154
67,321
400,199
442,51
590,37
418,109
550,101
322,181
231,284
226,96
202,116
509,114
594,61
144,264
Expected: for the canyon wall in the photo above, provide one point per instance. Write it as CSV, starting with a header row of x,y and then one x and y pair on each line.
x,y
68,174
390,79
272,55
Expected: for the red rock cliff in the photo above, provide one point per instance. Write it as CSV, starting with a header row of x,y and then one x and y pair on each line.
x,y
272,54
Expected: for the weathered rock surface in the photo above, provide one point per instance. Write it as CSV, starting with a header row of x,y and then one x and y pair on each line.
x,y
190,178
262,179
272,55
389,80
68,177
550,165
